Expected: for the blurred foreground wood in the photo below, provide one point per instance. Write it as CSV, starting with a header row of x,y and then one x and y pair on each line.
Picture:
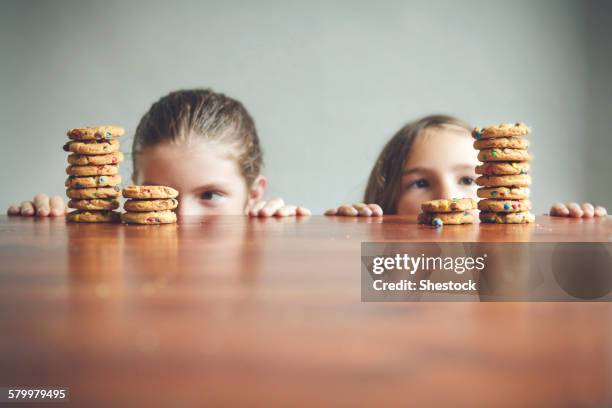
x,y
231,310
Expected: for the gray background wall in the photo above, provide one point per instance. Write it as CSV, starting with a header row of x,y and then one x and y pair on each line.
x,y
327,82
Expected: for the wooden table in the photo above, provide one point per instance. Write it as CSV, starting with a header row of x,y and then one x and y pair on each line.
x,y
231,310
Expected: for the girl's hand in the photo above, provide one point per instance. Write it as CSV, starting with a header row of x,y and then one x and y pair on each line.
x,y
356,210
276,208
586,210
41,206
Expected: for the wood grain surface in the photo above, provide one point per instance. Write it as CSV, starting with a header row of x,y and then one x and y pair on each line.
x,y
227,311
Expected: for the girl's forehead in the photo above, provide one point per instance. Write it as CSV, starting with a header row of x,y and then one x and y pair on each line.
x,y
193,164
192,150
440,148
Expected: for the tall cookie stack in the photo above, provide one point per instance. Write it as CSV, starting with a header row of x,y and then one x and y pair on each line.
x,y
93,174
504,174
149,205
452,211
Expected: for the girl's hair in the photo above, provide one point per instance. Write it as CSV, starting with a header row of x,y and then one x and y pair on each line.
x,y
385,178
181,116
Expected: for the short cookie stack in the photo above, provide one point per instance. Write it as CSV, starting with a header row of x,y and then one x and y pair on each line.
x,y
93,174
504,174
149,205
453,211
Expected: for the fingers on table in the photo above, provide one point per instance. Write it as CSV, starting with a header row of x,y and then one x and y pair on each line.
x,y
267,208
26,208
575,211
13,210
41,204
331,211
254,211
588,211
276,207
376,210
57,206
363,210
271,207
291,210
347,211
303,211
600,211
559,210
286,211
355,210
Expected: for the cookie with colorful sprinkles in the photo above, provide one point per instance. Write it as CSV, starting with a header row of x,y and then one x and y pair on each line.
x,y
93,174
502,130
95,160
493,205
507,218
149,192
161,204
149,205
503,168
94,204
91,193
92,181
449,218
448,205
100,170
95,132
514,142
509,193
496,155
152,217
504,174
508,180
93,216
452,211
92,147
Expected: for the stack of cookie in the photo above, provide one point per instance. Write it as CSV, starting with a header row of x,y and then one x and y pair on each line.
x,y
452,211
93,174
149,205
504,174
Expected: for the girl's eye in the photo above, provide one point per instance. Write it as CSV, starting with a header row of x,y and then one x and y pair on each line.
x,y
466,181
210,196
420,183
